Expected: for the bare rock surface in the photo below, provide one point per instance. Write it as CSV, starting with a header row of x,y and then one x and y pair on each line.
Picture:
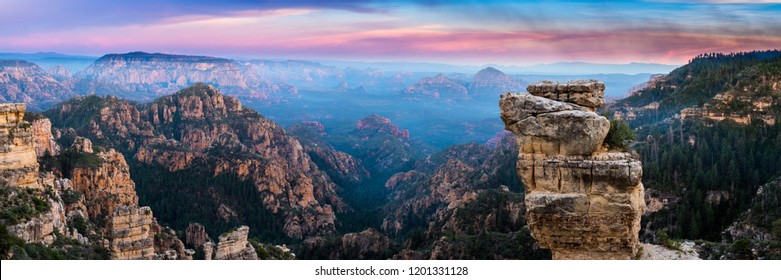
x,y
582,201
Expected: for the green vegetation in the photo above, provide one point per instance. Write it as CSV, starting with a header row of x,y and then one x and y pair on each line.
x,y
270,252
194,195
776,231
62,249
619,135
666,241
725,157
697,82
21,204
70,159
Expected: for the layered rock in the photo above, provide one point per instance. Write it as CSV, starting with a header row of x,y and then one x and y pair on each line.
x,y
589,93
18,161
131,235
582,201
233,245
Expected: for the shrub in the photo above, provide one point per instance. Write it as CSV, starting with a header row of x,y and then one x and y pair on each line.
x,y
619,134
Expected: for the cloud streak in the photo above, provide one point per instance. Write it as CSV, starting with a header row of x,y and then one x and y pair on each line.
x,y
518,33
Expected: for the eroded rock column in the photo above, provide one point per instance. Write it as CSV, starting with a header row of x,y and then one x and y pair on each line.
x,y
583,201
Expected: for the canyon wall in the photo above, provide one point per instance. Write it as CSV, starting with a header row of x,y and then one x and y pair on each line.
x,y
18,163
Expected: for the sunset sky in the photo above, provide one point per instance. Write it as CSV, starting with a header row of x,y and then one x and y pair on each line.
x,y
460,32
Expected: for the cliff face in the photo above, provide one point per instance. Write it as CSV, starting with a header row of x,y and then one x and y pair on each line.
x,y
234,246
160,74
200,125
18,162
582,201
26,82
42,135
106,185
131,233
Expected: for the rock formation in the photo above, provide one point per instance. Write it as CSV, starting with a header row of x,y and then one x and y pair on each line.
x,y
201,128
41,228
234,246
582,200
42,135
131,233
195,235
106,185
18,163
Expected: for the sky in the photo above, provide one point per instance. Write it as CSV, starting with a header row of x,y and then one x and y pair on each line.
x,y
455,32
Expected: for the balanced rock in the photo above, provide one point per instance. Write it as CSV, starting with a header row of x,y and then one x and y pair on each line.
x,y
589,93
552,127
582,201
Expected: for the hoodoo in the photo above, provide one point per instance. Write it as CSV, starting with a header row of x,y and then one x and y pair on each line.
x,y
583,200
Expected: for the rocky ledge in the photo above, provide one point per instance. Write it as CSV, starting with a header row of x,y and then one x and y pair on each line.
x,y
582,200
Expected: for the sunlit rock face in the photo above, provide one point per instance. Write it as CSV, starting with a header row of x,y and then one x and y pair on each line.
x,y
583,201
18,163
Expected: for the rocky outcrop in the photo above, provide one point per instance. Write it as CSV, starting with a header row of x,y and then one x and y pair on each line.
x,y
25,82
130,233
233,245
582,201
41,228
590,94
167,245
196,235
106,185
18,162
42,136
